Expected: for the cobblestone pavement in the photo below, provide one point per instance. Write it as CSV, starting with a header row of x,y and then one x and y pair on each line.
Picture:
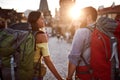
x,y
59,50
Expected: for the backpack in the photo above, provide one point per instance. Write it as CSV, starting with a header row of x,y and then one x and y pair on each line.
x,y
105,50
117,35
16,54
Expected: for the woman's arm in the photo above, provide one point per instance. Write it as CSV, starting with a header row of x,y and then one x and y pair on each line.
x,y
52,68
42,38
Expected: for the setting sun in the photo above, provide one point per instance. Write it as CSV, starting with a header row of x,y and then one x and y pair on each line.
x,y
74,13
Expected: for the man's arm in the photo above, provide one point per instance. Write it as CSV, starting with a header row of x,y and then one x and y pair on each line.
x,y
76,49
71,70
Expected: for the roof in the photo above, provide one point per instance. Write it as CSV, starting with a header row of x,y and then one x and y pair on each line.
x,y
112,9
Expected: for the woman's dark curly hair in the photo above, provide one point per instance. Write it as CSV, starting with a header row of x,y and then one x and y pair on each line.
x,y
32,19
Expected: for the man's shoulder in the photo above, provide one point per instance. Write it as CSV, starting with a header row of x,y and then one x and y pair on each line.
x,y
83,30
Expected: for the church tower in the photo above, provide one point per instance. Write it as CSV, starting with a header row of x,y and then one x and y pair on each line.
x,y
46,12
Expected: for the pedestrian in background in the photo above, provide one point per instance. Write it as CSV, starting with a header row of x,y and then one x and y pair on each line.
x,y
36,20
81,46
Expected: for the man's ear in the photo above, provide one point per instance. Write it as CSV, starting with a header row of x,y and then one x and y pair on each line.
x,y
89,19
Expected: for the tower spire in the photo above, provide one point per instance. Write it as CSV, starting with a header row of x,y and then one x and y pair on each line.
x,y
43,6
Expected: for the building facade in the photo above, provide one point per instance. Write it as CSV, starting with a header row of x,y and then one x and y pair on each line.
x,y
111,12
64,19
43,7
9,16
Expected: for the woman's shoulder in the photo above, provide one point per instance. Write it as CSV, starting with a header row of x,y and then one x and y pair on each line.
x,y
41,37
41,32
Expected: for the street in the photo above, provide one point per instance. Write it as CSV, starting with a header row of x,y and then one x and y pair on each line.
x,y
59,50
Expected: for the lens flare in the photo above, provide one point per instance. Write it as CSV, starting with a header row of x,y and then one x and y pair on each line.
x,y
74,13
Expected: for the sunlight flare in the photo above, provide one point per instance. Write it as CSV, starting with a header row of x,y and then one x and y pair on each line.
x,y
74,13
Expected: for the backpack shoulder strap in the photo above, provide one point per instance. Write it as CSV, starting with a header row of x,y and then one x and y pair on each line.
x,y
81,55
83,59
82,52
90,28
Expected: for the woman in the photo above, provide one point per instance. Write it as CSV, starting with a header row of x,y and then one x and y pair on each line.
x,y
36,20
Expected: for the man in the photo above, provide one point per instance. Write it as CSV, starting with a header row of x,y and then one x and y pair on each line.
x,y
81,46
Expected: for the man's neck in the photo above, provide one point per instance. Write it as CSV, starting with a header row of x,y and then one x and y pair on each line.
x,y
92,24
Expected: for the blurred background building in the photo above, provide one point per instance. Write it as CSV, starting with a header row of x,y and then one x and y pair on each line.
x,y
112,12
62,19
9,17
43,7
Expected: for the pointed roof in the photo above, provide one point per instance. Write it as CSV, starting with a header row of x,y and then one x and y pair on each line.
x,y
43,6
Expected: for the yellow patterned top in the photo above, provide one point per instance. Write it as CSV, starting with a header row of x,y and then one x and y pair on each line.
x,y
44,48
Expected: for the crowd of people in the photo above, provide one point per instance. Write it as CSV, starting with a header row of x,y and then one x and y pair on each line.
x,y
80,53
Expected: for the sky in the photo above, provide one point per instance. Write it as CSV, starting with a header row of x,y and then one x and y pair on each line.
x,y
23,5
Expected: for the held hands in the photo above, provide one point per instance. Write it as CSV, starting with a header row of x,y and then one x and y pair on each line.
x,y
69,78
